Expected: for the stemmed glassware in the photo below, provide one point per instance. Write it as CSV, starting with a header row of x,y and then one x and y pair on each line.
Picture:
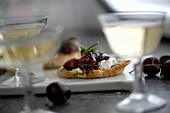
x,y
24,52
21,27
135,34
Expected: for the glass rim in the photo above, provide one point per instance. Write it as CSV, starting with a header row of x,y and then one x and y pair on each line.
x,y
128,14
103,15
21,19
135,12
45,35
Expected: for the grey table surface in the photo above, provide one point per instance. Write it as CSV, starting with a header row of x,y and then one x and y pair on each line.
x,y
95,102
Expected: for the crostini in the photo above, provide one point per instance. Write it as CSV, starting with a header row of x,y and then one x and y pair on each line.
x,y
92,64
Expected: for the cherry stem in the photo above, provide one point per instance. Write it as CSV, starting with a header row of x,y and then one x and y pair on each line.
x,y
132,71
147,65
153,65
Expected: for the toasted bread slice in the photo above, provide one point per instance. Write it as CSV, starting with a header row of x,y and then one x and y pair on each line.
x,y
59,61
116,69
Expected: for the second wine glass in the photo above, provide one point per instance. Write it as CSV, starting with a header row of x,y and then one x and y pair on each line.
x,y
134,34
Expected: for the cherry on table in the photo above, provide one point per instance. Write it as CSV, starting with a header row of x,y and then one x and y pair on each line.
x,y
151,66
58,93
164,58
165,71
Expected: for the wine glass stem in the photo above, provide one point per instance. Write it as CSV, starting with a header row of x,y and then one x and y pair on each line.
x,y
138,86
28,91
17,77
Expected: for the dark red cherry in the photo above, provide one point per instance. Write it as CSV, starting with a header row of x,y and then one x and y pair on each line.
x,y
58,93
164,58
99,55
69,46
88,60
71,64
165,71
103,57
151,66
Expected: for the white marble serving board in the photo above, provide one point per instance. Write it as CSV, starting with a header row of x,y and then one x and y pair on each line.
x,y
121,82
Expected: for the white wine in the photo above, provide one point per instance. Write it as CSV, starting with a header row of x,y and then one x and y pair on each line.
x,y
25,55
21,55
21,30
134,38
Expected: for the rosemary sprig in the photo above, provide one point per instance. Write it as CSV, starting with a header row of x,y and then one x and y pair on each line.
x,y
90,48
93,45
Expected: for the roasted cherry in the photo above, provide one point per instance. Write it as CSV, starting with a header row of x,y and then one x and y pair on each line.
x,y
164,58
151,66
58,93
69,46
165,71
102,57
71,64
87,61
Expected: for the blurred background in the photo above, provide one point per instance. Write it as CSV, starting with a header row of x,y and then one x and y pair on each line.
x,y
79,17
74,15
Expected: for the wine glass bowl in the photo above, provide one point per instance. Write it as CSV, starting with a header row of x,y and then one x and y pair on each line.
x,y
25,52
134,32
20,27
133,35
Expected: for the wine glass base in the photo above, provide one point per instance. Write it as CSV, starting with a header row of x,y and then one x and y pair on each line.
x,y
38,111
13,81
140,103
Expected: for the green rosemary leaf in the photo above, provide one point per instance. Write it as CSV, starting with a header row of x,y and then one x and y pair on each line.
x,y
89,49
92,49
93,45
83,48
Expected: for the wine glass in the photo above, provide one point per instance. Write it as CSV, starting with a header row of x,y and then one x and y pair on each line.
x,y
17,27
24,52
133,35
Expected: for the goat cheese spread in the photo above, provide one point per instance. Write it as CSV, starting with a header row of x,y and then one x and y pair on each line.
x,y
105,64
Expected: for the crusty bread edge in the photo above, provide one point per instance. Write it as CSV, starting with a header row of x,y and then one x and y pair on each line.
x,y
115,70
59,61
